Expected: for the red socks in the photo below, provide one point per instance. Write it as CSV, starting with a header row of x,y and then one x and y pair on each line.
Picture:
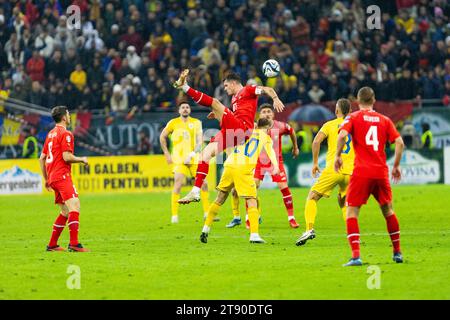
x,y
73,225
58,227
200,97
202,172
288,203
394,231
353,236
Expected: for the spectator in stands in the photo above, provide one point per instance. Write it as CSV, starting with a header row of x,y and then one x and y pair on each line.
x,y
45,44
144,145
37,94
133,59
406,87
119,100
30,149
36,66
78,77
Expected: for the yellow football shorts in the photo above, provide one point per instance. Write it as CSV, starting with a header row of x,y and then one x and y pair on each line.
x,y
243,183
186,170
328,181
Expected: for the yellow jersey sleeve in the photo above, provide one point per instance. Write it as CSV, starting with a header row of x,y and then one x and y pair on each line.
x,y
170,126
325,129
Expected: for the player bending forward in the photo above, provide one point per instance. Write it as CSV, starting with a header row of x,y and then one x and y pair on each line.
x,y
276,131
370,132
329,179
186,137
236,124
56,159
238,173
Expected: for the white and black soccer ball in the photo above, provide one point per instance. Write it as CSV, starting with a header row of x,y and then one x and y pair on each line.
x,y
271,68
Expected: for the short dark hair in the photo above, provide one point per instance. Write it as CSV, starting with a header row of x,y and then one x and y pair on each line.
x,y
59,112
232,76
344,105
366,96
266,106
182,102
263,122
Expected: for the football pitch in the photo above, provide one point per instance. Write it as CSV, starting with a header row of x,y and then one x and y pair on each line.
x,y
138,254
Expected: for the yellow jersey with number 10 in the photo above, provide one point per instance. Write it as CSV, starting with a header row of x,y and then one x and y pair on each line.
x,y
331,130
183,137
245,156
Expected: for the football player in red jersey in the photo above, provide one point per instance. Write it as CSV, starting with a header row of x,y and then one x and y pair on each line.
x,y
56,159
277,131
370,132
236,124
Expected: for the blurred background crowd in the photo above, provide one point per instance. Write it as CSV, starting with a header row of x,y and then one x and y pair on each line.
x,y
128,52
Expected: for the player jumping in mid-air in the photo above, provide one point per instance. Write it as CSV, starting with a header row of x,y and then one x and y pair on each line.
x,y
236,124
329,179
186,137
370,132
238,174
277,130
55,161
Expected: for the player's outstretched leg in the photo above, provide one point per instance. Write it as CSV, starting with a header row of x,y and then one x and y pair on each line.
x,y
199,97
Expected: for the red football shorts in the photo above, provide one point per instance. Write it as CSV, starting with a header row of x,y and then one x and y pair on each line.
x,y
360,189
233,131
64,190
261,170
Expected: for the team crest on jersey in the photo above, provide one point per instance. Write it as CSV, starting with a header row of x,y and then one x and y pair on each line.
x,y
191,125
68,139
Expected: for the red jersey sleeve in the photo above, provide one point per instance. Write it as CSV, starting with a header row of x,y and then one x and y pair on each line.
x,y
347,125
67,142
252,91
287,129
392,132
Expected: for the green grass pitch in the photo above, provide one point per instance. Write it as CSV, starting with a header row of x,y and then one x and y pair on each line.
x,y
138,254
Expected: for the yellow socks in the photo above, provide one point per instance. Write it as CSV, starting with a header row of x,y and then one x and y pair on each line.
x,y
344,213
204,196
175,204
212,213
235,206
253,216
310,214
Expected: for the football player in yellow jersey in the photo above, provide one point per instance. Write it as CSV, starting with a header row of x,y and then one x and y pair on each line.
x,y
186,139
238,174
329,179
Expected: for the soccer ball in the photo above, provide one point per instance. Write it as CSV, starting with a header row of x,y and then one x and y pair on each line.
x,y
271,68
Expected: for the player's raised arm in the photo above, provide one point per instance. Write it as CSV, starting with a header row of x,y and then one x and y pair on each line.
x,y
320,136
163,142
69,157
277,103
338,163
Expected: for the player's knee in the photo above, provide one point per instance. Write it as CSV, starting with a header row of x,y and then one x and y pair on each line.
x,y
252,203
314,196
73,204
387,209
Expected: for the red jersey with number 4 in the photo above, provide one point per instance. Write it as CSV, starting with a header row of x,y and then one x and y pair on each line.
x,y
58,141
370,132
245,103
278,130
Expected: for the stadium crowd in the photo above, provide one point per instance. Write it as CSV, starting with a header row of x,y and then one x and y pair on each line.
x,y
127,53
